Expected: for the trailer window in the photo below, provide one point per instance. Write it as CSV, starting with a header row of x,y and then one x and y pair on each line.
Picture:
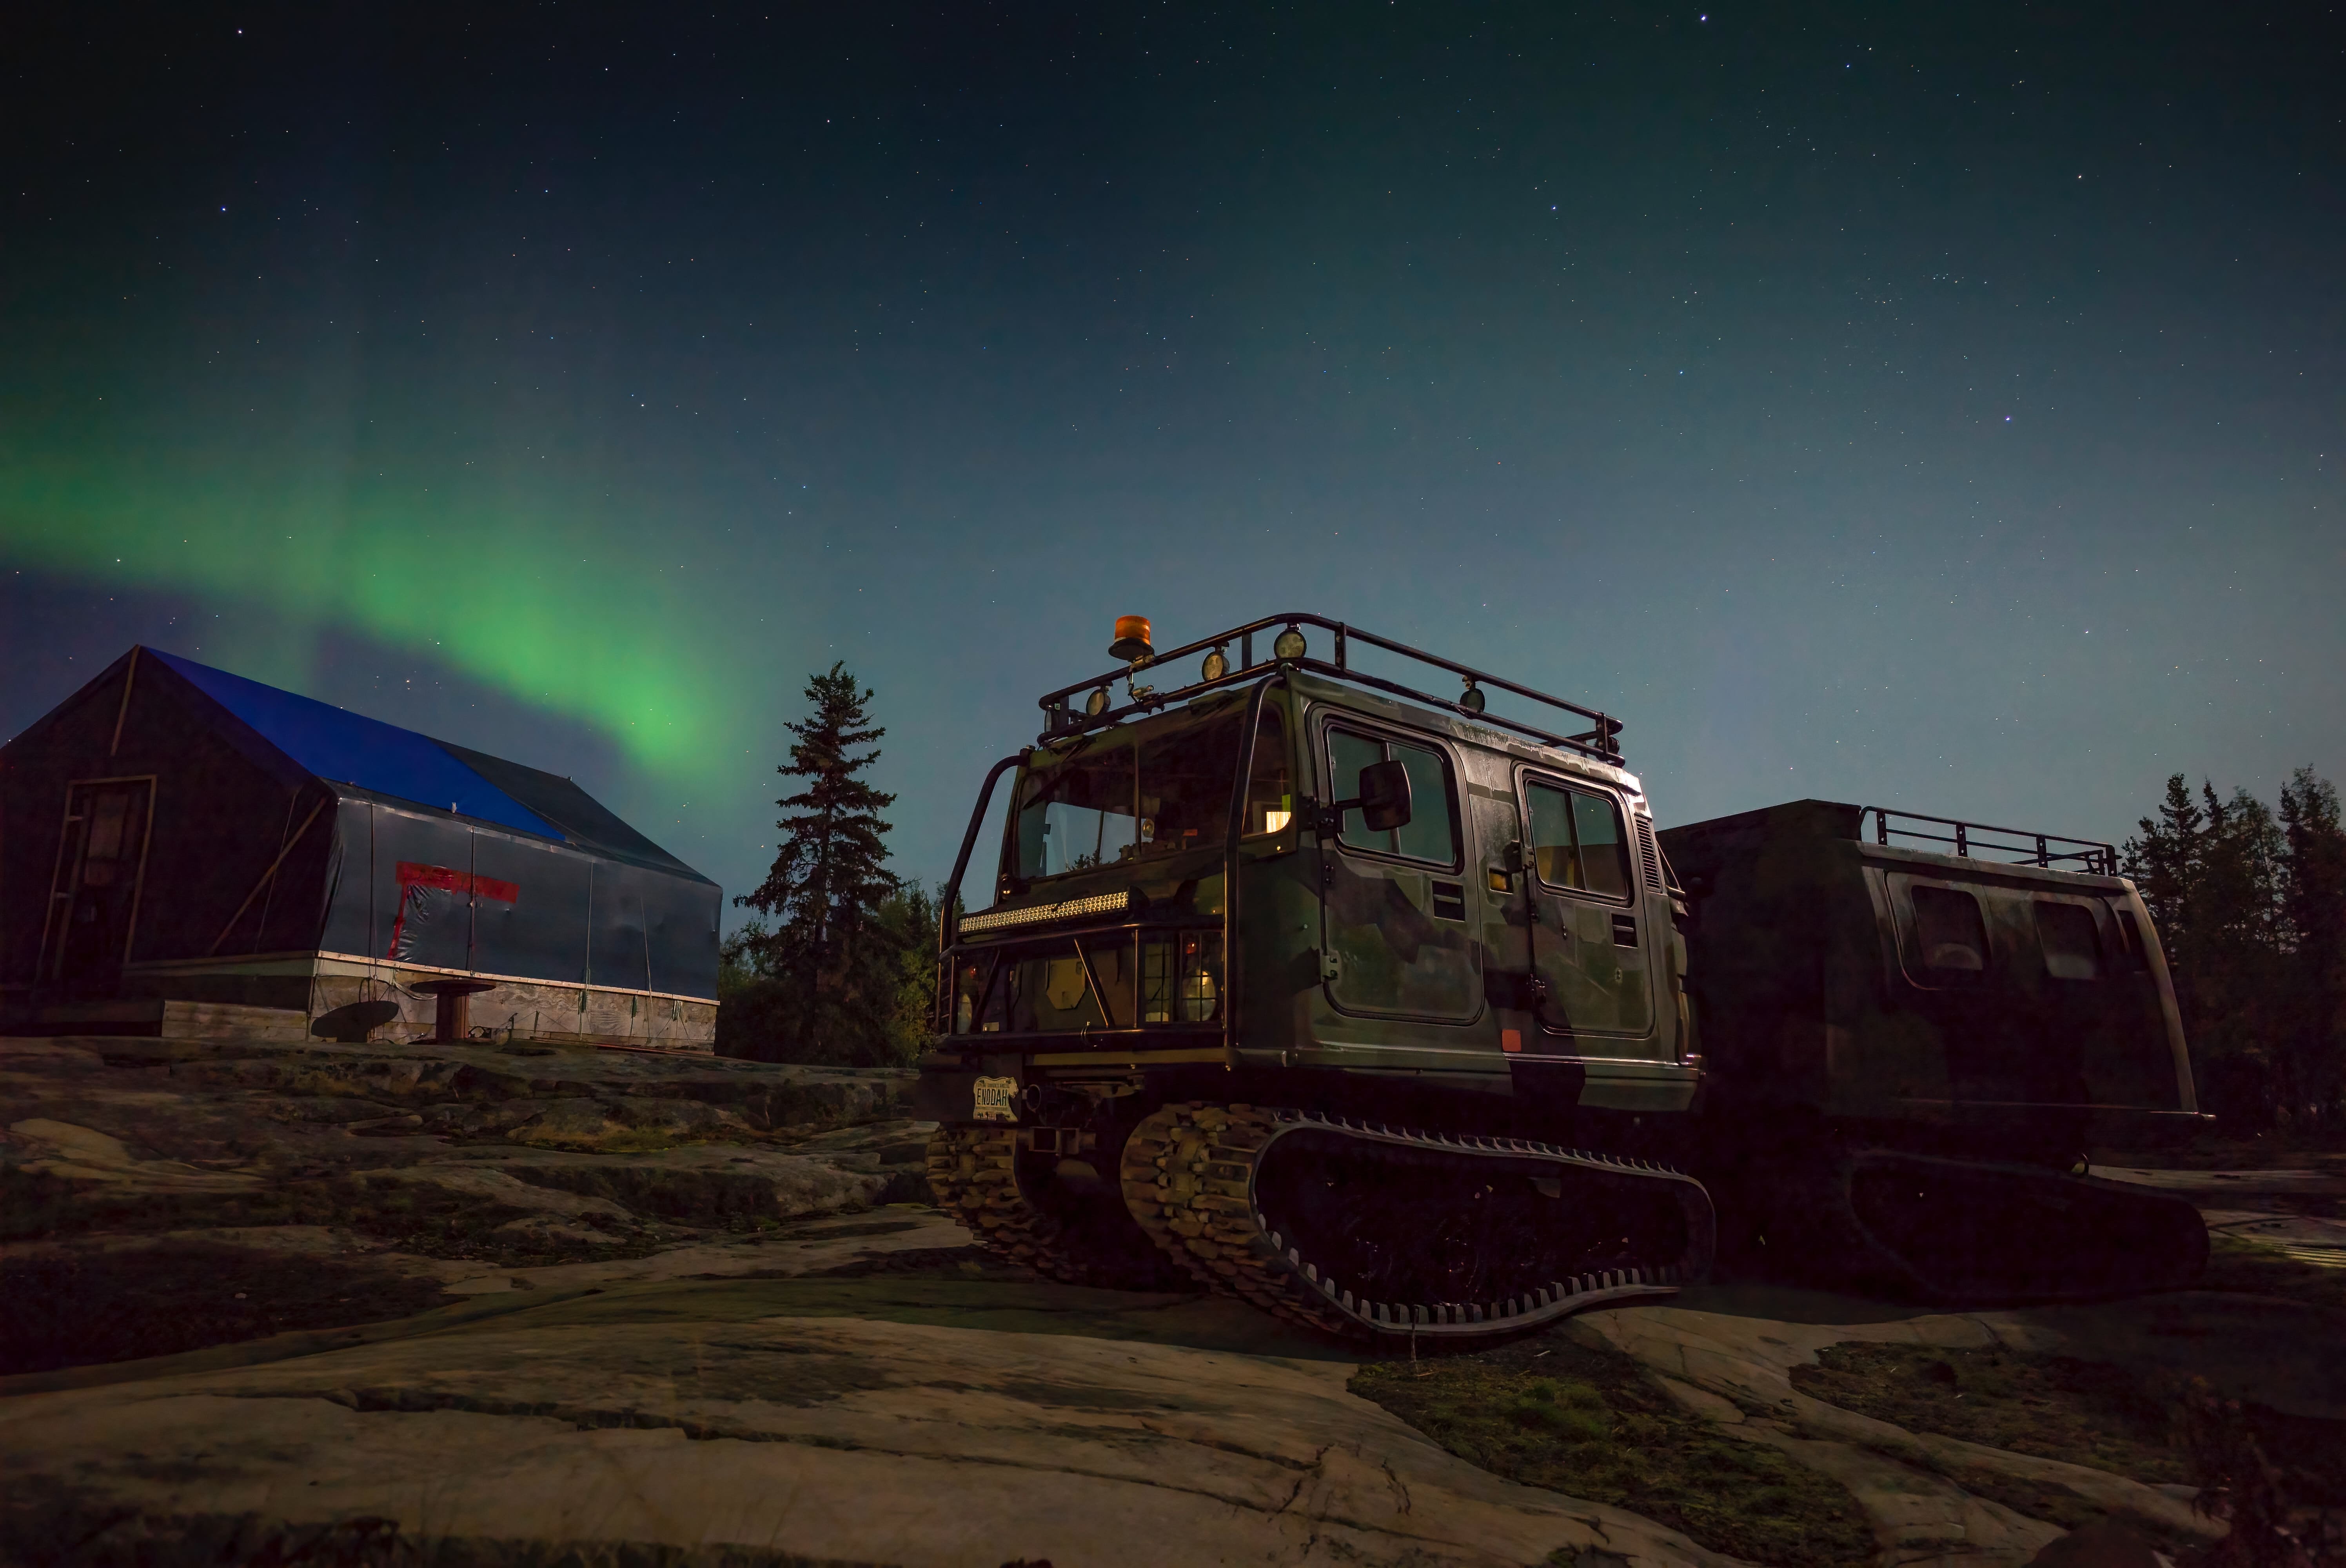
x,y
2073,948
1949,930
1431,831
1577,842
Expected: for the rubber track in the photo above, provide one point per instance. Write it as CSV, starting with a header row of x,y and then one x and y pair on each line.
x,y
973,1175
1188,1176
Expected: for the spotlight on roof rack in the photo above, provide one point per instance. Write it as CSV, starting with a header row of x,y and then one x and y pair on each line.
x,y
1131,640
1097,703
1289,645
1471,699
1216,665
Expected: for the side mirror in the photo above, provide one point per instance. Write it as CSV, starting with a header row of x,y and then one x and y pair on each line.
x,y
1384,796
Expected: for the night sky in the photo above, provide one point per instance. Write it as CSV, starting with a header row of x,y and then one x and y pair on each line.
x,y
1943,412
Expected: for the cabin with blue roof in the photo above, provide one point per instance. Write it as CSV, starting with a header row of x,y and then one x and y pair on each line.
x,y
181,846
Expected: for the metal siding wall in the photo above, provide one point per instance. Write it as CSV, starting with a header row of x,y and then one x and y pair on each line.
x,y
542,933
621,951
417,922
642,930
345,927
684,935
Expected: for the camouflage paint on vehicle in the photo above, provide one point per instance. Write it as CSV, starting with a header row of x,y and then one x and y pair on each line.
x,y
1877,983
1473,1027
1440,950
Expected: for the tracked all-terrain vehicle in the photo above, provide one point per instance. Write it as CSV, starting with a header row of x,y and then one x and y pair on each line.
x,y
1381,1010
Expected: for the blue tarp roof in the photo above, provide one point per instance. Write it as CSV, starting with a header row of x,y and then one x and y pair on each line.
x,y
346,747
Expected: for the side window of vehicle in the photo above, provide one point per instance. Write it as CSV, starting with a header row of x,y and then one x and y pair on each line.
x,y
1431,831
1577,841
1604,847
1949,933
1271,790
1349,751
2130,939
2073,948
1430,834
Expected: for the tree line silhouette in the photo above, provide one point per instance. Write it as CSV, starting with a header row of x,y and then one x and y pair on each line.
x,y
2250,903
837,965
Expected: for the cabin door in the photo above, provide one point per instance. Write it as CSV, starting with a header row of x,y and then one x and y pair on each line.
x,y
1395,903
1585,937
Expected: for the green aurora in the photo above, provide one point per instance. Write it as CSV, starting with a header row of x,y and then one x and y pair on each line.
x,y
547,607
1937,408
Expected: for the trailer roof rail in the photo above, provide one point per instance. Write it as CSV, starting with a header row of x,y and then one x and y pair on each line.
x,y
1099,710
2049,850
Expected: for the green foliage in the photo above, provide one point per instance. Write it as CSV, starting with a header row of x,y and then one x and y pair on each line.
x,y
2258,1268
32,1203
2313,916
2258,1473
1587,1423
2251,911
910,916
764,1015
765,1018
761,1015
823,981
2053,1407
741,958
433,1221
2257,1467
119,1304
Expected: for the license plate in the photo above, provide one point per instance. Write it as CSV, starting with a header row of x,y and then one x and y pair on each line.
x,y
996,1100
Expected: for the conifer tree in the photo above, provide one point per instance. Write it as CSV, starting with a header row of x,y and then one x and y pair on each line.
x,y
2313,907
2165,861
2251,911
829,943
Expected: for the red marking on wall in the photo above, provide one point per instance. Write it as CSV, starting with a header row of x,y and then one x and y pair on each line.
x,y
413,874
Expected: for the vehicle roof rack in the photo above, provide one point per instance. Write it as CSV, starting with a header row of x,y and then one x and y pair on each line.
x,y
2033,848
1061,718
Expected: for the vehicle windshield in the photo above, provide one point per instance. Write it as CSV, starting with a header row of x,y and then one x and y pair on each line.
x,y
1147,790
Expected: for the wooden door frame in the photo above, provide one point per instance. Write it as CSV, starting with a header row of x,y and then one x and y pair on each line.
x,y
52,963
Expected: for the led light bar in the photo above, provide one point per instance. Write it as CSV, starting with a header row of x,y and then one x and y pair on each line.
x,y
1047,915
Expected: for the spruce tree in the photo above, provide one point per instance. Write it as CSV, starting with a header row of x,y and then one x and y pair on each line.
x,y
2165,863
2249,909
2313,905
829,943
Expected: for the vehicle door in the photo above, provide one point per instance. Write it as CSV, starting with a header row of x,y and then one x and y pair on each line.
x,y
1587,949
1394,912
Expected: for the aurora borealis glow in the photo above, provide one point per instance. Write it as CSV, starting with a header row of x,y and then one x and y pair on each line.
x,y
1943,411
518,612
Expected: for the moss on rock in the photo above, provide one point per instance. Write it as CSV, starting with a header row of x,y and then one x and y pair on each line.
x,y
1555,1413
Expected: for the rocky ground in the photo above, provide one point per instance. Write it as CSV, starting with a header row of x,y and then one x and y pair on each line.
x,y
362,1304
